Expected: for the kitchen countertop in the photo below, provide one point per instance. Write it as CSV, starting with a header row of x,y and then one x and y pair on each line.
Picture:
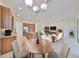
x,y
2,36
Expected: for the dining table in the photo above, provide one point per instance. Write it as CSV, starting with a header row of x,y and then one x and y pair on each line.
x,y
44,46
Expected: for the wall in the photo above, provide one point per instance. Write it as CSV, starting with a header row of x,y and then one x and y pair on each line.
x,y
2,3
77,27
19,26
66,25
69,24
58,23
39,25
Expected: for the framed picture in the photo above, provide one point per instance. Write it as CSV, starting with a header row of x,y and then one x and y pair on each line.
x,y
25,29
28,28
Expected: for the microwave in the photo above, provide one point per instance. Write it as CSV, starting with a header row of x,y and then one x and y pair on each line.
x,y
8,32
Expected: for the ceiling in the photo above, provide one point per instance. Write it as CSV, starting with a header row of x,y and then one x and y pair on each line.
x,y
57,9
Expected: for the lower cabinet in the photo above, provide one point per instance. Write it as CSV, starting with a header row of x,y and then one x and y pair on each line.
x,y
0,46
6,44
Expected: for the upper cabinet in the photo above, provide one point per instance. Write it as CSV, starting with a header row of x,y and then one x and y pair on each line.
x,y
6,18
0,17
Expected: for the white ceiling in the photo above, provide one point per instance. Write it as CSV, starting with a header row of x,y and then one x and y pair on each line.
x,y
58,8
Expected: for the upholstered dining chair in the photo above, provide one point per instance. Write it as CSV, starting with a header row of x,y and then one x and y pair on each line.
x,y
64,51
16,51
52,55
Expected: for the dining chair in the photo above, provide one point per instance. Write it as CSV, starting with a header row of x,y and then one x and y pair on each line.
x,y
36,55
52,55
64,51
74,51
16,51
73,54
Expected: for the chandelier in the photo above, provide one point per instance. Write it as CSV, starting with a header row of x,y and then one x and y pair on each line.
x,y
37,5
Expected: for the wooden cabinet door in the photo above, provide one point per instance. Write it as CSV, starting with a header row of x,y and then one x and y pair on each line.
x,y
10,20
6,44
0,29
6,18
4,21
0,16
0,45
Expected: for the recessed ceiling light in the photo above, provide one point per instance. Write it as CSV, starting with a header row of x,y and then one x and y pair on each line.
x,y
19,8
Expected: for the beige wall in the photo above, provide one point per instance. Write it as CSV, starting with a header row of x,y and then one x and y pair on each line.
x,y
69,24
39,26
2,3
66,24
59,24
19,26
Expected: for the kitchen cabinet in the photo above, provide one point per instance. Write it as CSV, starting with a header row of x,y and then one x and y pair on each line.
x,y
6,22
6,45
0,17
5,18
0,46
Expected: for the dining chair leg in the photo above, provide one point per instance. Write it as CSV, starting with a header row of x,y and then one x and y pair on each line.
x,y
32,55
68,52
29,55
43,55
13,55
